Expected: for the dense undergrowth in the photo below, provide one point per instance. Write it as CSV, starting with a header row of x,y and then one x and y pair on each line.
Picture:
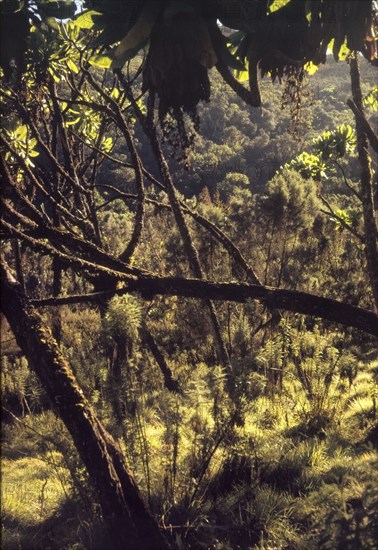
x,y
298,470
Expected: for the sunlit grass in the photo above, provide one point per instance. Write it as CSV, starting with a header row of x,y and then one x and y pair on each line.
x,y
33,488
306,456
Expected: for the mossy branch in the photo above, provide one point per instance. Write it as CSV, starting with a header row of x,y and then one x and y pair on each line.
x,y
274,298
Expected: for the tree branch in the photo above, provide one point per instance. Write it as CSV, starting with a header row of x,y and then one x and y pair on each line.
x,y
274,298
69,260
217,233
169,382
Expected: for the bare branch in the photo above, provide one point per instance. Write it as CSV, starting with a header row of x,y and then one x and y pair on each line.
x,y
77,264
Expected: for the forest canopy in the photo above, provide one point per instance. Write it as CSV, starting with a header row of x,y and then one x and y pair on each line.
x,y
190,272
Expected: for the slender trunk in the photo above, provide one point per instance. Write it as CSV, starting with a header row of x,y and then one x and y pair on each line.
x,y
130,524
169,382
366,184
190,249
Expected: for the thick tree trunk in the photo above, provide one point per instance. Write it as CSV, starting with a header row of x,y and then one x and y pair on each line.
x,y
131,526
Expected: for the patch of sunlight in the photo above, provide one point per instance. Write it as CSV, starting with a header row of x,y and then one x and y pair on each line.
x,y
365,406
277,4
33,488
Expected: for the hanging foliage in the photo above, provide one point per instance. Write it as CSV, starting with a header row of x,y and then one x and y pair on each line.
x,y
183,39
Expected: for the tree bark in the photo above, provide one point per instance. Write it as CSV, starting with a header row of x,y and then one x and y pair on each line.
x,y
274,298
57,289
170,383
371,135
130,524
366,183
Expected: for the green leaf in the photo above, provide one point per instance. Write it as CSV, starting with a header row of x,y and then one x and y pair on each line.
x,y
114,94
106,144
344,52
55,76
275,5
336,143
140,32
86,20
242,76
52,23
101,60
21,132
311,68
72,66
371,99
309,166
341,217
71,31
339,53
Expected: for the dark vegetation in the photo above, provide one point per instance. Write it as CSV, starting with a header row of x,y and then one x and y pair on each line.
x,y
243,425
